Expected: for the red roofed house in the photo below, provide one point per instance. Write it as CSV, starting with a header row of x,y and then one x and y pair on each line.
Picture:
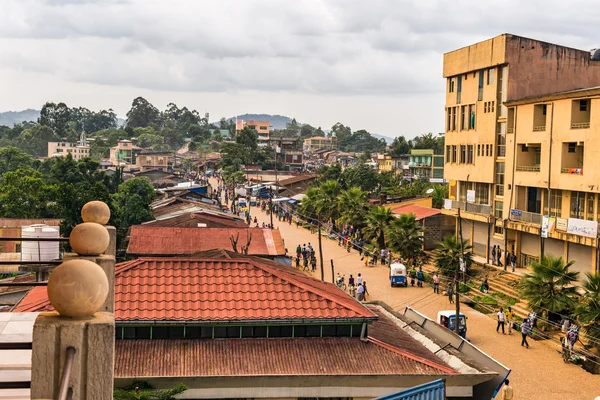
x,y
235,326
149,240
437,225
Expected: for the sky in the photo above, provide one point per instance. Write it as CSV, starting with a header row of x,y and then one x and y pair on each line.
x,y
370,64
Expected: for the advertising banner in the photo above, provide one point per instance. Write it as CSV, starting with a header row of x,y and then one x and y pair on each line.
x,y
582,227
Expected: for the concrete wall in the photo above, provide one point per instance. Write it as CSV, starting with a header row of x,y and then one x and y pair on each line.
x,y
539,68
437,227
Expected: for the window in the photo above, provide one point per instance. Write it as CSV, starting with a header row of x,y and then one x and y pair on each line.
x,y
544,109
498,230
478,150
458,90
472,116
572,146
500,179
464,118
490,76
487,150
470,154
493,105
463,154
485,107
589,215
482,191
264,128
583,105
555,203
498,205
280,331
451,85
577,205
160,332
448,153
453,153
501,142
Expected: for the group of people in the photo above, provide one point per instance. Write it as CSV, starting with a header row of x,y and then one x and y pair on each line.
x,y
500,257
508,318
358,287
307,255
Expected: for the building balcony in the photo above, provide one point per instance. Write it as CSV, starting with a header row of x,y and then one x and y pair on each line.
x,y
528,168
539,128
526,216
580,125
574,171
482,209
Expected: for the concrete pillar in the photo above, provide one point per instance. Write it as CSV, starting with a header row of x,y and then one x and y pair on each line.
x,y
107,263
112,245
93,364
518,246
566,251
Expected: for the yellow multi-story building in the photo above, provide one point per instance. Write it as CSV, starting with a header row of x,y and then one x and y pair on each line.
x,y
487,85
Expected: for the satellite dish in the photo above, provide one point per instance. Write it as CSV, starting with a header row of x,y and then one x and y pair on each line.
x,y
429,191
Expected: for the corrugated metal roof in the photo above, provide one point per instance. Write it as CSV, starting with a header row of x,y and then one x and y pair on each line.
x,y
252,357
160,241
428,391
419,211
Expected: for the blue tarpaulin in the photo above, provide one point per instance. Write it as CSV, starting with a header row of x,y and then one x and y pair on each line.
x,y
435,390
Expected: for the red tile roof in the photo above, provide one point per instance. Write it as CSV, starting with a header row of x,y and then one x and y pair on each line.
x,y
419,211
239,289
162,241
270,357
212,219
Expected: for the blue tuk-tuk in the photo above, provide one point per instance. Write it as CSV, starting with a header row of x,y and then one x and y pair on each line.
x,y
447,318
398,275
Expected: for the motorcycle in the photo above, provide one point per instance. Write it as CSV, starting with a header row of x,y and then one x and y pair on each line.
x,y
339,282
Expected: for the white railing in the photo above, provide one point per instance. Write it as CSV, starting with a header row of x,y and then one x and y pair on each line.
x,y
471,207
526,216
580,125
539,128
529,168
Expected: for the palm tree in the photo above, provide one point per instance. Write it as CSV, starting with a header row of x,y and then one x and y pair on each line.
x,y
378,220
404,236
142,390
447,256
328,205
550,286
353,207
440,192
588,310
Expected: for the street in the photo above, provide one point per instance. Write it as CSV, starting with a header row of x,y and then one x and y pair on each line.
x,y
537,373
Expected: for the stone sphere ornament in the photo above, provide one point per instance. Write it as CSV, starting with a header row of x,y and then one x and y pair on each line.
x,y
89,239
96,211
77,288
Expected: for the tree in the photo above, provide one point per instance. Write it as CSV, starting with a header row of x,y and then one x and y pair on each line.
x,y
247,138
330,172
353,207
550,287
440,192
188,165
234,155
588,310
35,140
362,176
149,139
378,221
142,113
142,390
233,178
24,194
56,117
198,133
447,256
12,159
404,236
400,146
341,132
429,141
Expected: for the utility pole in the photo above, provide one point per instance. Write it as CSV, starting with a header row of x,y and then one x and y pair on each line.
x,y
457,289
320,250
271,205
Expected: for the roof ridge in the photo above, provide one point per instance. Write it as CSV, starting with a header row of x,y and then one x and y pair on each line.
x,y
413,357
294,280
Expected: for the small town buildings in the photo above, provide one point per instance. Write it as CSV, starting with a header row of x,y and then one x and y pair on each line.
x,y
520,131
384,163
296,184
77,150
262,128
428,164
155,160
124,153
147,240
317,143
199,218
435,224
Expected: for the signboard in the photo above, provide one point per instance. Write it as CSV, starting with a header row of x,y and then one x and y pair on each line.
x,y
582,227
551,224
447,204
470,196
516,213
544,230
561,224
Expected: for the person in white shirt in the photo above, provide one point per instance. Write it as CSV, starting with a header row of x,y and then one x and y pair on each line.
x,y
359,279
360,291
507,391
501,319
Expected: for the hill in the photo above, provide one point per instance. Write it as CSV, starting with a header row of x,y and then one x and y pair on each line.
x,y
9,118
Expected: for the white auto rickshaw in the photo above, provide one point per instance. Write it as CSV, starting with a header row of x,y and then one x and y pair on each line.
x,y
447,318
398,275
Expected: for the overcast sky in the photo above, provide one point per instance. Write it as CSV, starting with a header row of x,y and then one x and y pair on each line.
x,y
371,64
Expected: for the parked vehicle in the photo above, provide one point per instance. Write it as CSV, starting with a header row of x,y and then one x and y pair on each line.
x,y
447,318
253,201
398,275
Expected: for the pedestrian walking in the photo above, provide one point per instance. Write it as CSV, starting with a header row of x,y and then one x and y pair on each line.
x,y
298,251
500,259
494,255
507,391
413,275
533,317
365,291
359,279
513,262
360,291
436,283
351,280
366,257
501,319
525,331
420,277
313,263
450,292
510,318
374,256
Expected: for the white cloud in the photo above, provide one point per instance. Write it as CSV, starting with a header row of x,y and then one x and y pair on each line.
x,y
289,51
